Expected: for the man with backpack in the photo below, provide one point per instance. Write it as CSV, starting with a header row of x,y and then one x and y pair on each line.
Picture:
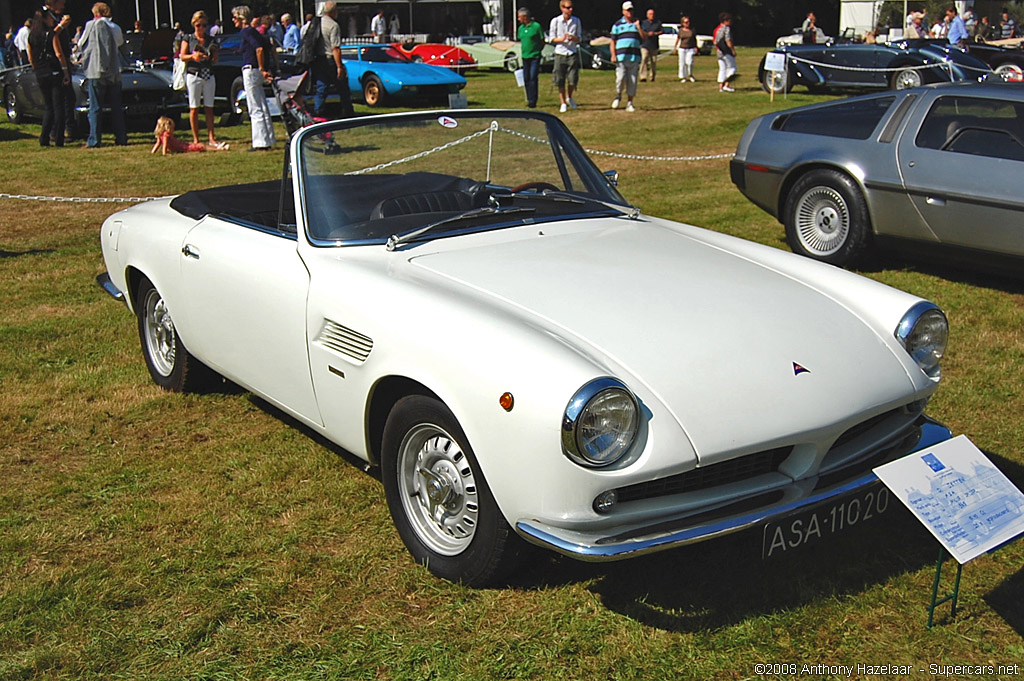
x,y
320,52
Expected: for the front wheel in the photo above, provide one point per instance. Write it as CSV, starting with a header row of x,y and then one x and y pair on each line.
x,y
12,106
904,79
170,365
826,218
776,82
438,498
511,62
373,91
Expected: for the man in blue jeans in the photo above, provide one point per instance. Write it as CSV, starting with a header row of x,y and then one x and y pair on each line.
x,y
98,46
531,40
327,69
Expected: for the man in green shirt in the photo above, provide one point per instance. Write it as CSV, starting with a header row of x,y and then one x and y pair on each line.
x,y
531,39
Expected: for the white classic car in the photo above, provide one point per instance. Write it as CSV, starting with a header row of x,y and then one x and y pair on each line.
x,y
464,300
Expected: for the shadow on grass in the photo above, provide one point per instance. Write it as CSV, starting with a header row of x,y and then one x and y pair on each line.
x,y
17,254
719,583
10,134
983,270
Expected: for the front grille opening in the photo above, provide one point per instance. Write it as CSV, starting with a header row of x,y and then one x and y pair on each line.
x,y
706,477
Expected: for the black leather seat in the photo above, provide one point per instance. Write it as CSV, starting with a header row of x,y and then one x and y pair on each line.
x,y
427,202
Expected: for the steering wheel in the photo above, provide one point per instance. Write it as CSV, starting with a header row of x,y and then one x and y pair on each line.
x,y
539,186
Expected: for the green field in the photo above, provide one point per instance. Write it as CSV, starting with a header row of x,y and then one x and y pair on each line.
x,y
149,535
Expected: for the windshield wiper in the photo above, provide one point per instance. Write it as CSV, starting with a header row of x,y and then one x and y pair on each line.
x,y
632,212
396,240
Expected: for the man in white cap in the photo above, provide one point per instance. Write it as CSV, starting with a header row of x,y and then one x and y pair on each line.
x,y
626,37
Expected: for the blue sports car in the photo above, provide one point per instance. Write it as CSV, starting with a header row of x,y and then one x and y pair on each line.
x,y
897,65
382,73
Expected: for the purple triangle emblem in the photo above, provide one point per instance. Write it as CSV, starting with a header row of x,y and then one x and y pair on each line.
x,y
797,369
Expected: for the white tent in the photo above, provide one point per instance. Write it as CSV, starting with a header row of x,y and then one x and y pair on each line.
x,y
862,15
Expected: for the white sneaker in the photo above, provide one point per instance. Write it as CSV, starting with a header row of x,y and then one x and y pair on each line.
x,y
563,108
629,107
692,79
572,103
727,88
615,103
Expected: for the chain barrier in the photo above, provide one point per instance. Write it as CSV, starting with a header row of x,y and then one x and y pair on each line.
x,y
380,166
945,65
613,154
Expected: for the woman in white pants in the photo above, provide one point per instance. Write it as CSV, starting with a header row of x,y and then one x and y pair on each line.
x,y
686,48
255,49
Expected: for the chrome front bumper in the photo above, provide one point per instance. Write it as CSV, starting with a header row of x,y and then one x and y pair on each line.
x,y
666,533
104,283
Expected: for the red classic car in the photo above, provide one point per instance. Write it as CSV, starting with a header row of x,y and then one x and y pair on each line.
x,y
436,54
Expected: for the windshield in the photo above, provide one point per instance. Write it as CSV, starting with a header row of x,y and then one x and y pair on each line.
x,y
365,181
384,53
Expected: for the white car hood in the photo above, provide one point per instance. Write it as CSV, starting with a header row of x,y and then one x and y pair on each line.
x,y
742,356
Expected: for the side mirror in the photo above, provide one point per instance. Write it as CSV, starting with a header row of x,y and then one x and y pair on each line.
x,y
612,176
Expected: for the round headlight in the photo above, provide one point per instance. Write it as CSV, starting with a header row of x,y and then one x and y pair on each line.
x,y
924,332
600,423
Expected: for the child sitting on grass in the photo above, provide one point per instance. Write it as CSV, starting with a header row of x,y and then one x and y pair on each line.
x,y
167,142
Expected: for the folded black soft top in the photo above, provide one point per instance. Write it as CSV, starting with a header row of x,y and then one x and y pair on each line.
x,y
245,201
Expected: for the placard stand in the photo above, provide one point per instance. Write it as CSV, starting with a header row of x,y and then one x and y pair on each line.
x,y
952,596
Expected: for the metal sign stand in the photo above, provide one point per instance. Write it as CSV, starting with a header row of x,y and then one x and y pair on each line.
x,y
952,596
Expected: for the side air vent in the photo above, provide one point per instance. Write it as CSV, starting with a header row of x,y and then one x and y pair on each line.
x,y
345,341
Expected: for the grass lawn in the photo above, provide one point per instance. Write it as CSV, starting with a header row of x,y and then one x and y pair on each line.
x,y
149,535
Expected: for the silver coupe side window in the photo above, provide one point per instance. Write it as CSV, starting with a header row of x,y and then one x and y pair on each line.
x,y
849,120
975,125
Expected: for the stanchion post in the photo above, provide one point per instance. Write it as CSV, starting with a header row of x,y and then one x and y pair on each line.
x,y
953,596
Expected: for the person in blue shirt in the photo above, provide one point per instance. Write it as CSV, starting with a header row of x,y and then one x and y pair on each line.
x,y
292,36
625,49
957,29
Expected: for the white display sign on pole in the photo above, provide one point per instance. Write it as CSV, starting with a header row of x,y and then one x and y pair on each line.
x,y
959,495
775,63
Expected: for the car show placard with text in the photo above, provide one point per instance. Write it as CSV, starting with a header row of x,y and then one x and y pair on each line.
x,y
959,495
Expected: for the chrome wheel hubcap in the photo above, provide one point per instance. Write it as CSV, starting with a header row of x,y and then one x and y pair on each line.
x,y
908,79
159,329
439,493
822,221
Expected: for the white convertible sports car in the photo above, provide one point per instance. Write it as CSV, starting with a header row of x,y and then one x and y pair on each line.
x,y
464,300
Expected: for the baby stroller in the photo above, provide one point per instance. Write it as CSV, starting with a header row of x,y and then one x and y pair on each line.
x,y
293,108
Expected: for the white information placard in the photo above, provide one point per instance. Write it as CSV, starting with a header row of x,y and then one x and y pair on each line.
x,y
774,61
959,495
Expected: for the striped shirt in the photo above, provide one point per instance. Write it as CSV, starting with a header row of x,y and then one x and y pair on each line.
x,y
627,40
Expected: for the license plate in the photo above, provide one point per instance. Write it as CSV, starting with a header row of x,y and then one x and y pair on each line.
x,y
791,533
142,108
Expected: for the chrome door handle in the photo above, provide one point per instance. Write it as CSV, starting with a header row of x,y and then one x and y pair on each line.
x,y
188,252
935,201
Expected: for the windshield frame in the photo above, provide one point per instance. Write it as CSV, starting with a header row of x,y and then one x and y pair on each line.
x,y
567,146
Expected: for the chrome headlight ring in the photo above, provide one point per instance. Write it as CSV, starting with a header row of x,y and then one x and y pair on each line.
x,y
600,423
923,332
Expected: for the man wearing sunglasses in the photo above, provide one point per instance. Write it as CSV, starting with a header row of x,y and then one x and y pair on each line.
x,y
564,33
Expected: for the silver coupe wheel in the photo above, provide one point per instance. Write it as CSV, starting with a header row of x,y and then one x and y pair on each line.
x,y
822,221
438,488
906,79
158,330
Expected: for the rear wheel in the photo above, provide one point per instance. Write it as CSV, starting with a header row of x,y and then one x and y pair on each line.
x,y
775,81
511,62
904,79
826,218
438,498
373,91
237,108
1010,72
170,365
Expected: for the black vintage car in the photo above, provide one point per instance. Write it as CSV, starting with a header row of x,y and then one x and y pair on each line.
x,y
896,65
146,94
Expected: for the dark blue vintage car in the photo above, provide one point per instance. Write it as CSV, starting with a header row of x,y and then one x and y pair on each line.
x,y
897,65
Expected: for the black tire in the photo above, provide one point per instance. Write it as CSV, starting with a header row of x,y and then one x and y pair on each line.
x,y
458,533
170,365
826,218
373,91
237,111
13,106
907,78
